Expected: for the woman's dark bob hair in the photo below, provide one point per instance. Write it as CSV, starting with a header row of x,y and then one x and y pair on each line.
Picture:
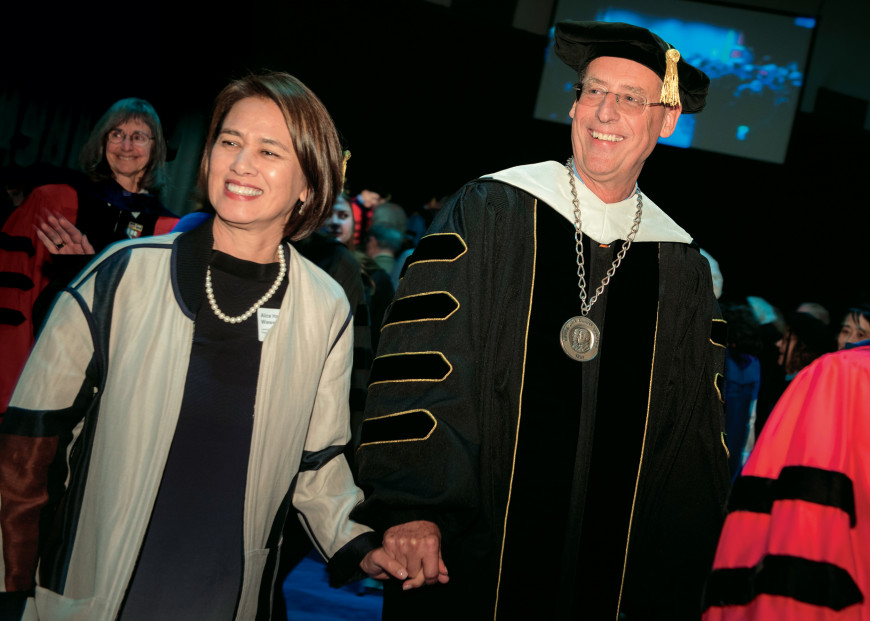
x,y
93,155
314,137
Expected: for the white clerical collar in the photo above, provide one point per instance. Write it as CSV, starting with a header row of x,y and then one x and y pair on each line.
x,y
603,222
577,177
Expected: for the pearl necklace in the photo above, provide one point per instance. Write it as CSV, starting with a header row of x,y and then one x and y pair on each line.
x,y
209,292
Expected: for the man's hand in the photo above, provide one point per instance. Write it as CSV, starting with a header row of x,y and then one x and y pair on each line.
x,y
61,236
417,546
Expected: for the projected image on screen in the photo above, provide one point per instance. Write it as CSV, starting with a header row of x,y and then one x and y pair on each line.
x,y
755,60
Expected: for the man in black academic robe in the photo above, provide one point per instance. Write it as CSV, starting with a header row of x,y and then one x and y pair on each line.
x,y
557,485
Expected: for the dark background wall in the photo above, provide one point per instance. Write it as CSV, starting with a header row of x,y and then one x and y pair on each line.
x,y
428,95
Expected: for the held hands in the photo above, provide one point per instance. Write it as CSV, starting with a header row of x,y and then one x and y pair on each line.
x,y
61,236
381,566
417,546
411,552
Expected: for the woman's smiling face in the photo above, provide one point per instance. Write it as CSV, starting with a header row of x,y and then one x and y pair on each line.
x,y
254,177
128,160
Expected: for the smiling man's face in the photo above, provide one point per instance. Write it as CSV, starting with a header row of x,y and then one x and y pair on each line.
x,y
610,146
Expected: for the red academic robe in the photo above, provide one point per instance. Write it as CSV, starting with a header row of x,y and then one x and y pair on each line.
x,y
22,277
796,541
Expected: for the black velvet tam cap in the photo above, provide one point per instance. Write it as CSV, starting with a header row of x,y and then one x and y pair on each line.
x,y
579,43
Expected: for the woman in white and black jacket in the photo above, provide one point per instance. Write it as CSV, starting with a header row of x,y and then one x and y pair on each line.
x,y
201,381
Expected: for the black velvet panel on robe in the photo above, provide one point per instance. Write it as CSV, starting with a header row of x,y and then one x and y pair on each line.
x,y
569,513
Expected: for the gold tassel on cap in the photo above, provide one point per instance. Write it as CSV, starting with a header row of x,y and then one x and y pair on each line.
x,y
671,84
344,164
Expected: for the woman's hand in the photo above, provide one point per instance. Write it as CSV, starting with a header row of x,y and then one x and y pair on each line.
x,y
381,566
61,236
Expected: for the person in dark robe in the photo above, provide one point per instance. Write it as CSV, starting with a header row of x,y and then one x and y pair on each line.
x,y
742,382
536,447
377,285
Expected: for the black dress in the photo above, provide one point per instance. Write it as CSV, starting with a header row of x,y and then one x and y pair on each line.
x,y
191,563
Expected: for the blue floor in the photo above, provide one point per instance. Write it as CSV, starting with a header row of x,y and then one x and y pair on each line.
x,y
310,598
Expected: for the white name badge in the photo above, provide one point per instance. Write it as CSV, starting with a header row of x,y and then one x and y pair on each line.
x,y
266,318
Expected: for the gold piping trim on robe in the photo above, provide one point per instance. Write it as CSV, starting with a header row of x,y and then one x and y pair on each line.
x,y
417,295
416,379
413,263
714,342
722,438
456,235
520,412
394,414
716,386
642,447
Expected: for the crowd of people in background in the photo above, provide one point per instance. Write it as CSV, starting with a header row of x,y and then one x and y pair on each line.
x,y
768,347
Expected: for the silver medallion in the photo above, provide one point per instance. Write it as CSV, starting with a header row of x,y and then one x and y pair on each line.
x,y
580,338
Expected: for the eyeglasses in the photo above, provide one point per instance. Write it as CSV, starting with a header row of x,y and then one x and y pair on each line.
x,y
631,105
139,139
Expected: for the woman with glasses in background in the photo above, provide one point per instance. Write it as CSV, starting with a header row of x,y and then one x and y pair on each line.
x,y
60,226
124,159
